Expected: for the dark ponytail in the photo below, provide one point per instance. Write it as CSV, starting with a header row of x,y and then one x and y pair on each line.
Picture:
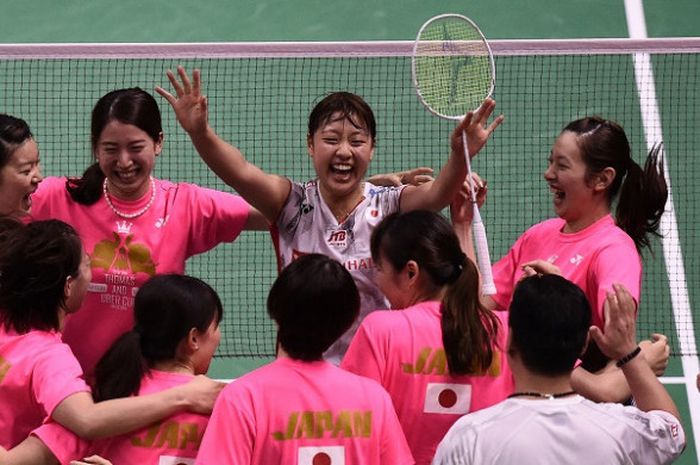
x,y
643,193
166,308
119,372
642,198
468,328
87,189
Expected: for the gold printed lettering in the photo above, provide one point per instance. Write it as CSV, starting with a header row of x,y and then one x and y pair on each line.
x,y
291,426
306,425
323,422
4,368
189,433
342,425
362,424
148,439
168,433
420,362
438,363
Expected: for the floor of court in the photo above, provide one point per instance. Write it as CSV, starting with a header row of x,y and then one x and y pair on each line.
x,y
265,20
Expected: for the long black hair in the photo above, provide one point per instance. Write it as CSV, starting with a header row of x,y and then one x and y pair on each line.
x,y
166,308
642,192
468,328
129,106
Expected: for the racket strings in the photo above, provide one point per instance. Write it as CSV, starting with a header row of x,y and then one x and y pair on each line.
x,y
453,67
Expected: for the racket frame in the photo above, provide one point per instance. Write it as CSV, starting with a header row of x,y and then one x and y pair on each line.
x,y
478,230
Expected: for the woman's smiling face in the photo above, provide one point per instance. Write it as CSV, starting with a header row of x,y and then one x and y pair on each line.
x,y
19,179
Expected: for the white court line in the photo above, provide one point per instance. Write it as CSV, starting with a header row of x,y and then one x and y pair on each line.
x,y
669,225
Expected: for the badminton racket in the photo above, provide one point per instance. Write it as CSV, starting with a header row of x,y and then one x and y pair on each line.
x,y
453,73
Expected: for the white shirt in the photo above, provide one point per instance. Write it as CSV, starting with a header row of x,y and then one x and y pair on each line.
x,y
569,430
307,225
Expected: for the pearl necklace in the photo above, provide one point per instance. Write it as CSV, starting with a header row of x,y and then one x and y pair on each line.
x,y
135,214
542,395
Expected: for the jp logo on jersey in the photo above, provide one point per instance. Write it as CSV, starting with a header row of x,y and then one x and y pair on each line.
x,y
337,238
447,398
329,455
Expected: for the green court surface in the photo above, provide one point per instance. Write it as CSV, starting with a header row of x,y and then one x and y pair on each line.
x,y
517,193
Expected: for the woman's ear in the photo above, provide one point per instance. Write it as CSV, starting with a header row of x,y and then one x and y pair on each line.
x,y
193,340
604,179
68,287
159,144
310,145
412,270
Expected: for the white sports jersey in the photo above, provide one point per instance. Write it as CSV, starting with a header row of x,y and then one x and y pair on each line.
x,y
307,225
559,431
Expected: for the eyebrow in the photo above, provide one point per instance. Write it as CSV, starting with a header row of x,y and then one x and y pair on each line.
x,y
23,163
131,142
353,133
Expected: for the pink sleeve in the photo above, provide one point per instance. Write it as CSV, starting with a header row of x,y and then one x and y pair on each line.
x,y
364,356
63,443
616,263
49,199
230,434
504,271
57,375
394,446
216,217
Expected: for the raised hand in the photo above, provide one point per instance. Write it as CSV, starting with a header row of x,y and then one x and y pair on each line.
x,y
189,104
619,337
476,127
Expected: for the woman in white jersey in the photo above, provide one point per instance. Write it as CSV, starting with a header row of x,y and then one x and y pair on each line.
x,y
333,214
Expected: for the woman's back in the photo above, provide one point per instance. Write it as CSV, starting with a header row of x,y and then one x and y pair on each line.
x,y
173,440
293,410
403,350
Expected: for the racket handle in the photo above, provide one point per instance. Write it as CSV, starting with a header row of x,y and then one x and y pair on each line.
x,y
482,254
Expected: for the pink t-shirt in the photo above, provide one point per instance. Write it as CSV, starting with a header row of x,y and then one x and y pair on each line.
x,y
594,259
303,413
172,441
37,372
183,221
403,351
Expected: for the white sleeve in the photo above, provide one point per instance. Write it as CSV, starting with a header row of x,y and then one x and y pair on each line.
x,y
655,437
457,447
